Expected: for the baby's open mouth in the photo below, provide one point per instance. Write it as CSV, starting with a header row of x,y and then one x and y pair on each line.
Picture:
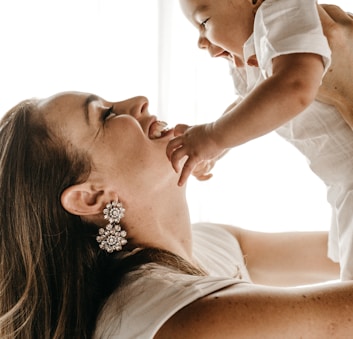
x,y
158,129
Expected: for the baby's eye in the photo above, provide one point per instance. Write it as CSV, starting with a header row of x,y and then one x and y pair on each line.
x,y
108,113
203,23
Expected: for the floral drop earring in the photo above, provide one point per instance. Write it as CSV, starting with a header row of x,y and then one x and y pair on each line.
x,y
112,237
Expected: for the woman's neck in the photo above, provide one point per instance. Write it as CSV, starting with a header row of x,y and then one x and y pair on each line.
x,y
167,226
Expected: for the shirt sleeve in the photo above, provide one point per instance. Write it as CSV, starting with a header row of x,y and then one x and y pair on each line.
x,y
150,299
287,27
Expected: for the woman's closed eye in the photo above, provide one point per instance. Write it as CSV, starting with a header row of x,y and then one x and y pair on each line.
x,y
108,113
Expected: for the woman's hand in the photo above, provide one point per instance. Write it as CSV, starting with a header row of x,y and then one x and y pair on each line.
x,y
198,145
337,85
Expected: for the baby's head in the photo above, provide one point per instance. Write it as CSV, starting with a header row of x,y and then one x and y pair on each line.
x,y
224,25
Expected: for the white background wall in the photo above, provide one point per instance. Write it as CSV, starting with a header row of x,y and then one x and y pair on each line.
x,y
111,48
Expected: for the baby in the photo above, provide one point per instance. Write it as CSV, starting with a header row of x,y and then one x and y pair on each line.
x,y
280,56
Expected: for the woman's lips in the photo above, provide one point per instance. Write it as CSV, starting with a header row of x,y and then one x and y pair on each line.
x,y
158,129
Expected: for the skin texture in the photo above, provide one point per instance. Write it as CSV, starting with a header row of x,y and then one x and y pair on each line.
x,y
130,165
224,27
264,312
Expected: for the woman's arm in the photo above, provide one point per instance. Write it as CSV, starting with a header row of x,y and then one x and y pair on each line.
x,y
250,311
286,259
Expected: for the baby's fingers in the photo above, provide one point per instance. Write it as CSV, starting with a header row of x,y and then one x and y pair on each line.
x,y
186,171
173,145
204,177
176,152
203,169
180,129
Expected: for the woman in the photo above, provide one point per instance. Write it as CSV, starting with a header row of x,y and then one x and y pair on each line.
x,y
94,226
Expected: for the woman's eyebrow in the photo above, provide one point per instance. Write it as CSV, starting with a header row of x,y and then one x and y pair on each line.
x,y
86,103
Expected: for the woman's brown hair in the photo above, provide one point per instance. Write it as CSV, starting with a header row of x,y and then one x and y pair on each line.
x,y
49,261
53,276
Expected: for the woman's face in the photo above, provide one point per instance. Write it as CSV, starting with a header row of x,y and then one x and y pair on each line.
x,y
126,143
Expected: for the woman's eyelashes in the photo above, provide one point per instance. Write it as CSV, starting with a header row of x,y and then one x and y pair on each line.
x,y
108,113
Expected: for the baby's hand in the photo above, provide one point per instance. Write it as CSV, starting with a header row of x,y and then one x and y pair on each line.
x,y
202,170
196,143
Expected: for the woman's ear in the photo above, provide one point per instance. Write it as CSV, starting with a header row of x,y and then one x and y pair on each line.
x,y
82,199
256,3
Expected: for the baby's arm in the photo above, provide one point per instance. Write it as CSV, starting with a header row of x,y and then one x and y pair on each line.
x,y
202,170
292,87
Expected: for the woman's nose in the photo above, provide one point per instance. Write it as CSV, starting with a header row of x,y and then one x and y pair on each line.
x,y
136,106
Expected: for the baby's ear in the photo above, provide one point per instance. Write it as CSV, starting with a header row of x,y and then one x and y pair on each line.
x,y
82,199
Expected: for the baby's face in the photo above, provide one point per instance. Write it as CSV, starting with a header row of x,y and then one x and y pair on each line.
x,y
224,25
